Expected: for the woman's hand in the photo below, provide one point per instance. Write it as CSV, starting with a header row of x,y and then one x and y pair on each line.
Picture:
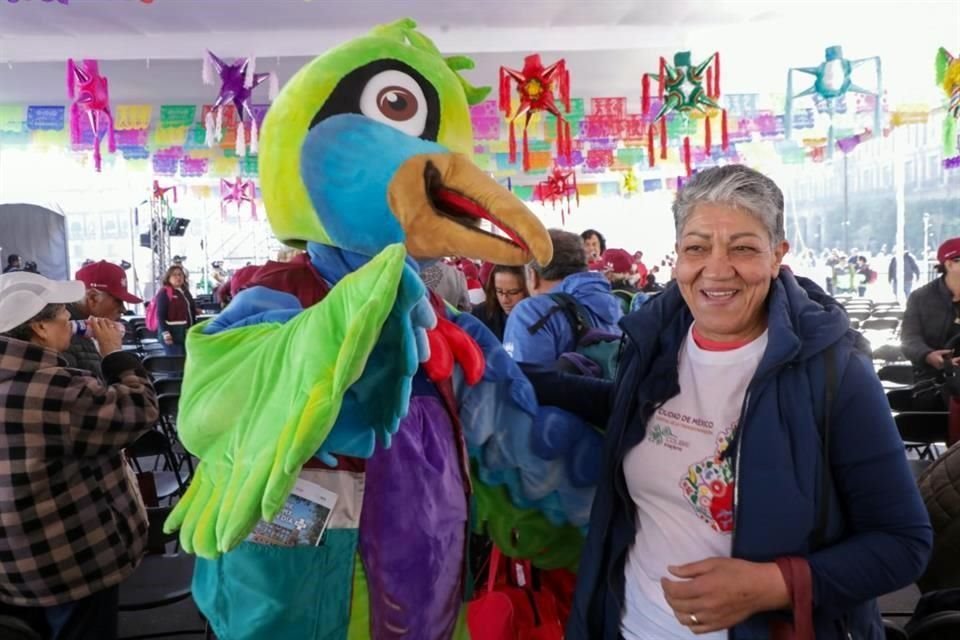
x,y
167,338
718,593
107,333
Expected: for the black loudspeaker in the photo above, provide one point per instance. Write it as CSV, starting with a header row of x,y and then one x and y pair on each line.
x,y
145,240
177,226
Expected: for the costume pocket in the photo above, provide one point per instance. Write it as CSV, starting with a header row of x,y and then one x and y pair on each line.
x,y
280,593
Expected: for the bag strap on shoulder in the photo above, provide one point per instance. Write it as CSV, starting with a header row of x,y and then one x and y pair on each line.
x,y
826,477
577,315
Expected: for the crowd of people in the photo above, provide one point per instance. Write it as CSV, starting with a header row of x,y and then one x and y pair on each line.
x,y
730,369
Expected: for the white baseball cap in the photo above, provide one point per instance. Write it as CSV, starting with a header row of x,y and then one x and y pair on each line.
x,y
23,295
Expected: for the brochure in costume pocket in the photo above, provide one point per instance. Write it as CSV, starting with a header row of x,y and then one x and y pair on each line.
x,y
302,519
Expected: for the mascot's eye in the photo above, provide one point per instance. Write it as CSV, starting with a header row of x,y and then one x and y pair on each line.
x,y
395,99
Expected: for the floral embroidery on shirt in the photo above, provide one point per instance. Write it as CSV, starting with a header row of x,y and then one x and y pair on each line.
x,y
708,487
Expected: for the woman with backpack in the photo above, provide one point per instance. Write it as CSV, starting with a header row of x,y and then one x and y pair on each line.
x,y
176,311
753,482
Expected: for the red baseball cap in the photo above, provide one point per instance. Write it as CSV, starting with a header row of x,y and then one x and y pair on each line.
x,y
949,250
617,261
109,278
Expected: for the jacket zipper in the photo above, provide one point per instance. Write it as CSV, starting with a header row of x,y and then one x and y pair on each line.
x,y
736,479
741,425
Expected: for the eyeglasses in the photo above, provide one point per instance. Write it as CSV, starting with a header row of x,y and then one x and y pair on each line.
x,y
509,292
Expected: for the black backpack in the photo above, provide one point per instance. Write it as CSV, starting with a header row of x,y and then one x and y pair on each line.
x,y
596,352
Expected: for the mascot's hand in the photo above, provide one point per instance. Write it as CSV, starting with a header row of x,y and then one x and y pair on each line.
x,y
258,400
375,404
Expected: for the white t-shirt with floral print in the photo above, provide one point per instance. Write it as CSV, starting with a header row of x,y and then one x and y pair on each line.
x,y
682,489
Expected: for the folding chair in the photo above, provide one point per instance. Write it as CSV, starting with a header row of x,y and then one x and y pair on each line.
x,y
168,477
898,373
162,579
879,324
164,366
16,629
923,430
167,386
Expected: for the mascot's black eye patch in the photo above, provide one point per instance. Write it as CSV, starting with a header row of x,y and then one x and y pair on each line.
x,y
387,91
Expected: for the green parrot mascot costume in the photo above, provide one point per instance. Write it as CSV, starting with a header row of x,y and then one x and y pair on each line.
x,y
355,379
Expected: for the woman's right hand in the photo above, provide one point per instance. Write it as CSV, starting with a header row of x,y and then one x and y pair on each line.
x,y
167,338
107,333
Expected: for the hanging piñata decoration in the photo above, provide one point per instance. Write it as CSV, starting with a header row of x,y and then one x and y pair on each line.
x,y
90,98
684,88
559,188
832,81
539,89
238,192
160,193
948,77
237,82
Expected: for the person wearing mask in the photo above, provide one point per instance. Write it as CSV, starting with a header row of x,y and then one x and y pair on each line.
x,y
13,263
505,288
594,244
73,526
176,311
912,274
106,297
538,331
932,320
718,512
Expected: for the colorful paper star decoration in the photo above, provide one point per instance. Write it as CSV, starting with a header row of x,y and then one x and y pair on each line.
x,y
684,88
160,193
237,82
539,89
559,187
948,77
238,192
90,98
833,80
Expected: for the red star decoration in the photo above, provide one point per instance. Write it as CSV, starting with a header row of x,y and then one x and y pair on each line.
x,y
539,88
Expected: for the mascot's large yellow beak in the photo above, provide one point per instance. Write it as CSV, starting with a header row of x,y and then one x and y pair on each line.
x,y
441,200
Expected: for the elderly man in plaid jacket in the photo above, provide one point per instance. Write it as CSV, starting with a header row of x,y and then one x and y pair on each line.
x,y
72,525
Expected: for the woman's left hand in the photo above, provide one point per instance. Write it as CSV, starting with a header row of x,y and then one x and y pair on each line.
x,y
718,593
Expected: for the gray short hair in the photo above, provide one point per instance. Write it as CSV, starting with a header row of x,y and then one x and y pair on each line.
x,y
738,186
569,256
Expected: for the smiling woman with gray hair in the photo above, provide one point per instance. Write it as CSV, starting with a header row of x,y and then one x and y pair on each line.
x,y
753,479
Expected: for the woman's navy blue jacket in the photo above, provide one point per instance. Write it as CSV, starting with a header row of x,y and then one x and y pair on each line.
x,y
878,531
